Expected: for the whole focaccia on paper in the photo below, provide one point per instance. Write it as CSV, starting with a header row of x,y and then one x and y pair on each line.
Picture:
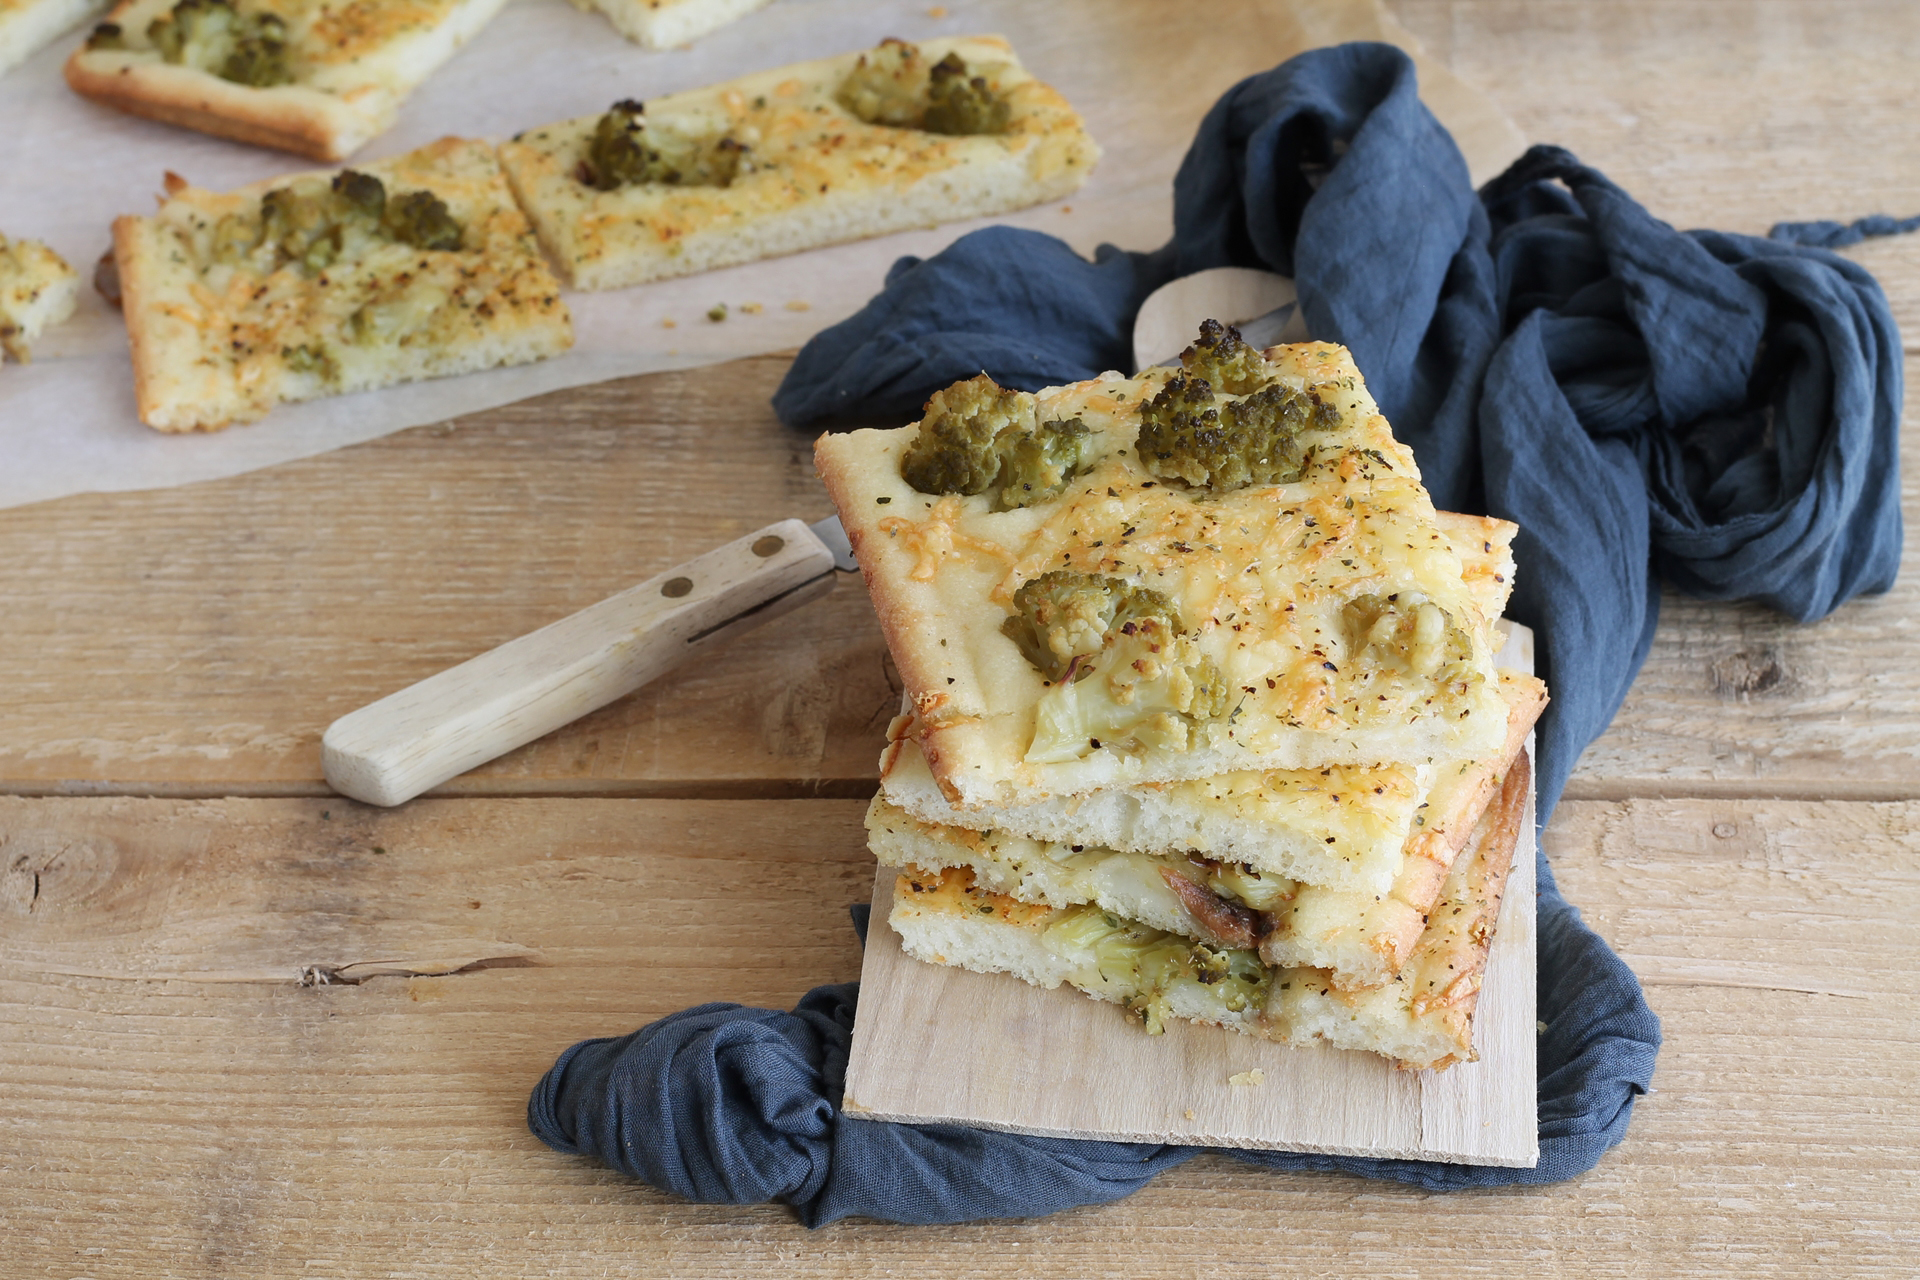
x,y
662,24
1227,566
318,77
897,137
325,283
28,25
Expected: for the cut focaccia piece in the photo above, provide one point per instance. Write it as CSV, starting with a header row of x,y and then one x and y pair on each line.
x,y
802,156
1337,825
37,289
318,77
663,24
28,25
1363,938
322,284
1422,1020
1111,625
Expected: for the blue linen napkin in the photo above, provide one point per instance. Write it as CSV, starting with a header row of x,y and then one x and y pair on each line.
x,y
1713,411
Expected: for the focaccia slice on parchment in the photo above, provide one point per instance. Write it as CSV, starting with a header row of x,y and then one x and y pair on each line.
x,y
37,290
1360,935
663,24
1424,1019
317,77
1255,581
26,26
326,283
807,155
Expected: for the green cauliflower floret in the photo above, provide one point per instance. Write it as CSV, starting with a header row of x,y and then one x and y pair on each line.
x,y
977,436
1067,615
214,36
894,86
625,152
1225,361
888,86
960,104
317,225
107,35
1407,633
1190,433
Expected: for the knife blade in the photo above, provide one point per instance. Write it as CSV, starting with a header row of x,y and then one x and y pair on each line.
x,y
408,742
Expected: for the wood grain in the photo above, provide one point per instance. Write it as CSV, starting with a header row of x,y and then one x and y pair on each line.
x,y
156,1122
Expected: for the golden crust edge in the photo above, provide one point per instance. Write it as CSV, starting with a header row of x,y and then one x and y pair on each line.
x,y
217,108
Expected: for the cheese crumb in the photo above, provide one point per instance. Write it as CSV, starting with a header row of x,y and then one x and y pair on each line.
x,y
669,323
1189,1113
1253,1077
799,305
752,308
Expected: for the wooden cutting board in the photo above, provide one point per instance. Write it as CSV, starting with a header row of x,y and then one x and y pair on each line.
x,y
939,1045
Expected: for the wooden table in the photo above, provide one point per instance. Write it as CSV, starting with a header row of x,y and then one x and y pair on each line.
x,y
217,1063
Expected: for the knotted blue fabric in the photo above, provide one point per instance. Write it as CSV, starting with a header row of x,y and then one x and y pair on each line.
x,y
1715,412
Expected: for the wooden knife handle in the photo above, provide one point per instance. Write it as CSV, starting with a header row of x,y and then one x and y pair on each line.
x,y
407,742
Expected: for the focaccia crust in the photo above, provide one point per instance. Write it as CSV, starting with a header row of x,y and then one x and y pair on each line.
x,y
810,172
665,24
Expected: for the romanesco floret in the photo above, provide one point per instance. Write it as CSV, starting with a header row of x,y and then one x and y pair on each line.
x,y
625,152
1067,615
978,436
214,36
960,104
1190,433
1409,633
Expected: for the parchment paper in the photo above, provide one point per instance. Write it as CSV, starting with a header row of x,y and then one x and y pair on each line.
x,y
1143,73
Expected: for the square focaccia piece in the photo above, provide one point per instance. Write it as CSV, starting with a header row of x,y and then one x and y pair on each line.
x,y
28,25
663,24
317,77
37,290
1231,565
327,283
822,152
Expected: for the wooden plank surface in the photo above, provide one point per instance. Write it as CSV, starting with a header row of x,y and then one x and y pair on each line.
x,y
159,1121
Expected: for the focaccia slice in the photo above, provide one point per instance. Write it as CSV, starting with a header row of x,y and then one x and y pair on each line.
x,y
1264,586
813,154
327,283
1423,1020
317,77
663,24
28,25
1338,826
1361,936
37,290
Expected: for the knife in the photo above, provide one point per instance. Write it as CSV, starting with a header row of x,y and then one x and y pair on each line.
x,y
390,751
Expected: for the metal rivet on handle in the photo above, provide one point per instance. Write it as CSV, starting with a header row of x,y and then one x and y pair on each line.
x,y
674,588
764,547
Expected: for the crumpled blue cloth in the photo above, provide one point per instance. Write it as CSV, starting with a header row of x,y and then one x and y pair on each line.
x,y
1717,412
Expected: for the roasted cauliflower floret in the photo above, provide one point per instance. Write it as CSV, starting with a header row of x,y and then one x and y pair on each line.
x,y
1407,633
624,151
960,104
1251,434
315,224
978,437
894,86
1066,615
213,36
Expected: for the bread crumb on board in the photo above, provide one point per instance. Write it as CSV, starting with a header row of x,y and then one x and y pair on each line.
x,y
1253,1077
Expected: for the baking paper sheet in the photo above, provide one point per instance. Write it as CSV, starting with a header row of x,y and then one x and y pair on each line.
x,y
1142,73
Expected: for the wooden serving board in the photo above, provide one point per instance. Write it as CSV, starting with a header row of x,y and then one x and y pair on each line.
x,y
940,1045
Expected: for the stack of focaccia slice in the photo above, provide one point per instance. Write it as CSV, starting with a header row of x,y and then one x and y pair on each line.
x,y
1203,714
